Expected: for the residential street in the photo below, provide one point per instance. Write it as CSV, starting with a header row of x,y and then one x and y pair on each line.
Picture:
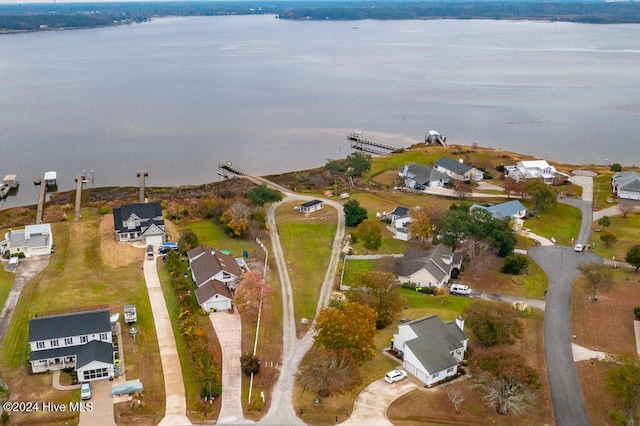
x,y
559,263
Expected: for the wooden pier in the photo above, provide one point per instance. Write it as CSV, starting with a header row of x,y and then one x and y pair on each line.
x,y
76,211
229,167
367,145
41,197
142,174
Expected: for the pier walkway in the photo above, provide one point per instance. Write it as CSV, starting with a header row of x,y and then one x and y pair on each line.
x,y
41,198
142,174
367,145
76,211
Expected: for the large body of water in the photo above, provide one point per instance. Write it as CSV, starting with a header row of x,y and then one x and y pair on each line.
x,y
178,95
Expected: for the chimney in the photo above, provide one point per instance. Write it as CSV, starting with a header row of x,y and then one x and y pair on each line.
x,y
460,322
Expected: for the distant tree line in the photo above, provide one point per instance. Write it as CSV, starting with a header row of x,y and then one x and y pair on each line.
x,y
83,15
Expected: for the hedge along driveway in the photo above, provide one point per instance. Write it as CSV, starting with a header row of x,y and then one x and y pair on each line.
x,y
307,241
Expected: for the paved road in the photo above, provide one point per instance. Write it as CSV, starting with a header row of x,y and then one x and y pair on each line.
x,y
228,328
559,263
176,403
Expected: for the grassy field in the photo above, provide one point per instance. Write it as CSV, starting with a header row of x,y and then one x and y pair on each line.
x,y
307,243
6,281
615,335
561,222
78,278
212,235
627,232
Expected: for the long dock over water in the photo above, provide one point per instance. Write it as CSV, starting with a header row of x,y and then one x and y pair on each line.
x,y
367,145
142,174
41,197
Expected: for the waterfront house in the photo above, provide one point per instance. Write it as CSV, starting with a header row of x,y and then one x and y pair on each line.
x,y
139,222
458,170
535,169
431,268
80,340
417,174
626,185
430,348
33,240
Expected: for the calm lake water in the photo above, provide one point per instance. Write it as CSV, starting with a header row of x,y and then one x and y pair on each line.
x,y
178,95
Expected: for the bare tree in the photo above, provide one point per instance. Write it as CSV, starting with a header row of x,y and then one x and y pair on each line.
x,y
596,275
476,254
456,397
512,185
252,289
506,394
463,190
328,373
626,207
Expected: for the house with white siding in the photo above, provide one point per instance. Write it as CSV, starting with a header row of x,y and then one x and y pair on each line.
x,y
310,206
81,340
458,170
626,185
417,174
139,222
535,169
33,240
431,268
430,348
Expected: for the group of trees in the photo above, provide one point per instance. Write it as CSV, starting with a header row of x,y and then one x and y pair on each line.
x,y
355,164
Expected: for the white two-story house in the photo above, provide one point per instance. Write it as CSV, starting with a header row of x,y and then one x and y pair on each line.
x,y
81,340
139,222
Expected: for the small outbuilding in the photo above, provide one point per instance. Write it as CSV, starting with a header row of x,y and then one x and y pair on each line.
x,y
310,206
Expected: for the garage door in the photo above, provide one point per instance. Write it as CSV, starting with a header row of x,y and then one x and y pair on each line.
x,y
154,240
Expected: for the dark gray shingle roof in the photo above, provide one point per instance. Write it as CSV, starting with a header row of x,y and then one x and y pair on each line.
x,y
67,325
453,165
435,342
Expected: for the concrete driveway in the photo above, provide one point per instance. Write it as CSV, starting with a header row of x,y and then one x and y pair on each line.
x,y
176,403
228,328
371,405
99,409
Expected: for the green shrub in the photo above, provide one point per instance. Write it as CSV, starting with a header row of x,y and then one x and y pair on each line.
x,y
514,264
636,312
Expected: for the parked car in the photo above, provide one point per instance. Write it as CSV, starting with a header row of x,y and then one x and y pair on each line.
x,y
395,376
85,390
150,252
460,289
579,247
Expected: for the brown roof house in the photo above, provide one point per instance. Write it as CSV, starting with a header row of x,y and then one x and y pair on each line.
x,y
216,275
431,268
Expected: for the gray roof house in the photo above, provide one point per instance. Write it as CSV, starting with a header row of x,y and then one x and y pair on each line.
x,y
458,170
430,348
310,206
431,268
511,209
626,185
208,264
33,240
417,174
82,340
139,222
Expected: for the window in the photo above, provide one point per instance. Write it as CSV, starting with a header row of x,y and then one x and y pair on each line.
x,y
103,337
68,341
435,375
39,345
83,339
54,343
96,374
450,370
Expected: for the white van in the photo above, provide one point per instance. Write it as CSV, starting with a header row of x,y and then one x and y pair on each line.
x,y
459,289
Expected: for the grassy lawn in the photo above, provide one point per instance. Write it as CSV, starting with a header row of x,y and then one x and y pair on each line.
x,y
353,268
627,232
561,222
614,335
212,235
306,242
77,264
530,285
389,244
6,281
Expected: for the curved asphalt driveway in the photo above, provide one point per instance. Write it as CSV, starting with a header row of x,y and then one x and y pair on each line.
x,y
559,263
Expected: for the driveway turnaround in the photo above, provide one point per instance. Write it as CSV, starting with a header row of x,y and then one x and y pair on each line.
x,y
371,405
228,328
99,409
176,403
